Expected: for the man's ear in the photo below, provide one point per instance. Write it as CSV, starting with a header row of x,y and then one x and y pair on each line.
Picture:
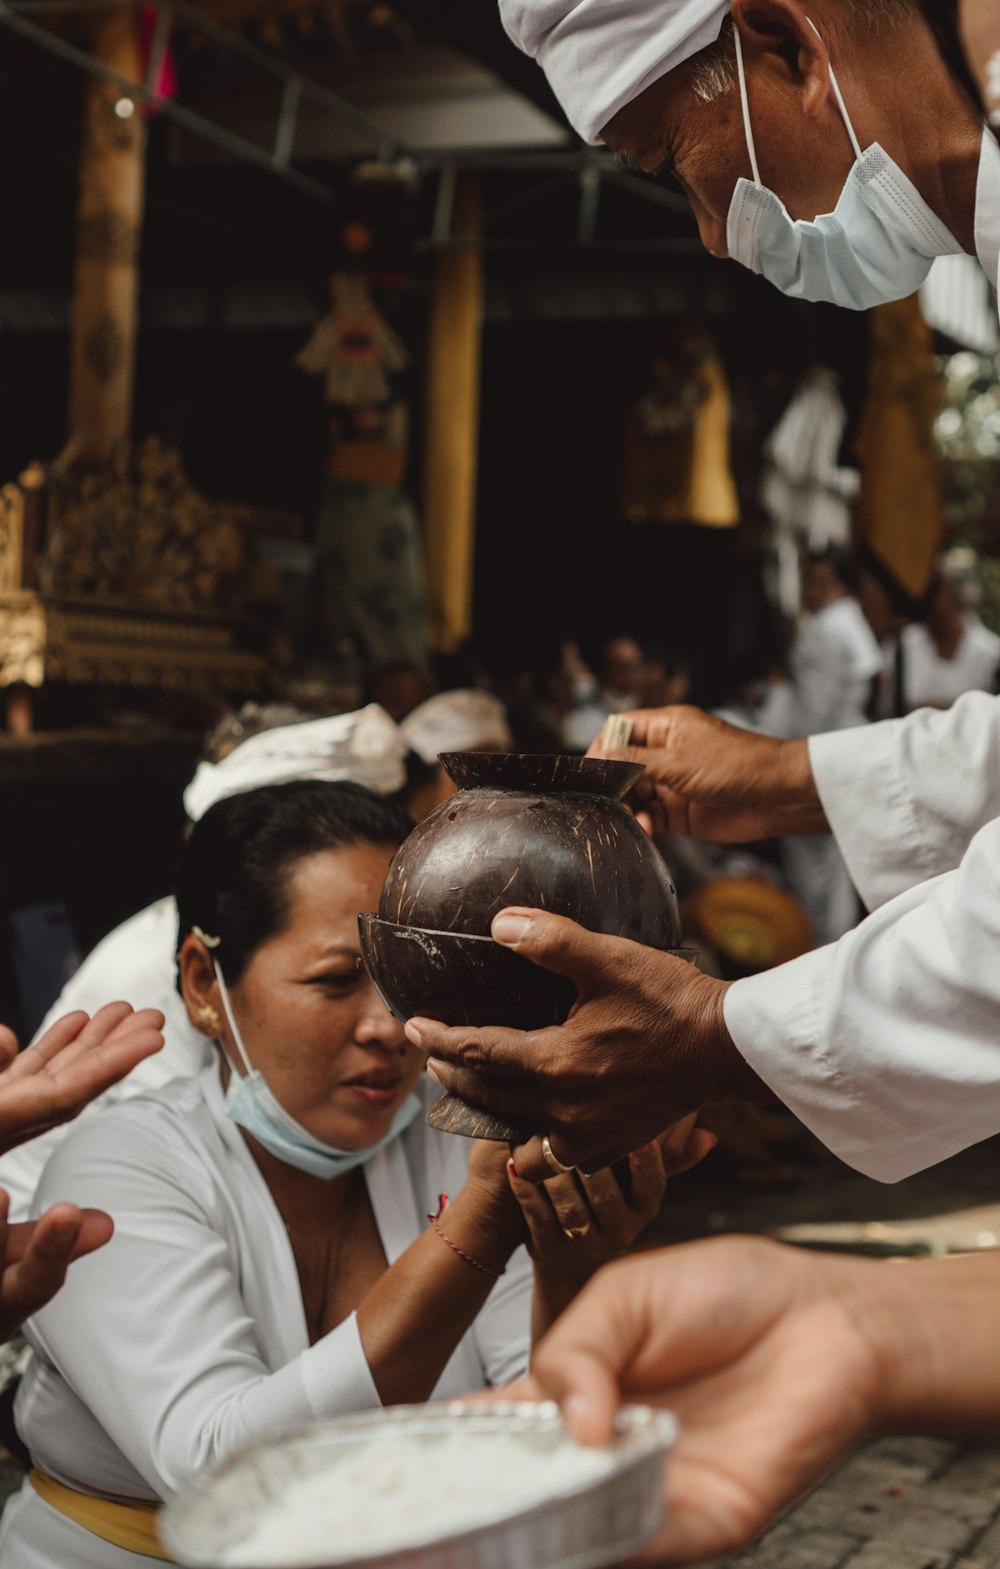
x,y
778,35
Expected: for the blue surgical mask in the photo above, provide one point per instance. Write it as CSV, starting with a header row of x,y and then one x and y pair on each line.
x,y
253,1105
877,244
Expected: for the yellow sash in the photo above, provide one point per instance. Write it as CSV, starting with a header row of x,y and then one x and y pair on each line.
x,y
130,1526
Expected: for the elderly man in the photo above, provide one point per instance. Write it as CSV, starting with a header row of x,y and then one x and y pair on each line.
x,y
866,159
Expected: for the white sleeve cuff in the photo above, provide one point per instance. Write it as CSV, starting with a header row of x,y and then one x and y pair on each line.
x,y
859,780
336,1374
905,798
773,1021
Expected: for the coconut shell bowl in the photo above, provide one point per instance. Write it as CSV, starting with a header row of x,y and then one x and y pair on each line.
x,y
549,832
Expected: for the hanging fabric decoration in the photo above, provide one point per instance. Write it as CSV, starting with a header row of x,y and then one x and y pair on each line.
x,y
353,347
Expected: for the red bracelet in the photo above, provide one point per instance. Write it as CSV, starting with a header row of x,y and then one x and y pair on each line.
x,y
476,1264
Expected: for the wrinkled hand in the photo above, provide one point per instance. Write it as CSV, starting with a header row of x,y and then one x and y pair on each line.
x,y
760,1350
577,1223
712,780
35,1256
644,1045
74,1062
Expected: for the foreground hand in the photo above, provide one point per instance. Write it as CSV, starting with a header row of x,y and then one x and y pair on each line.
x,y
35,1256
712,780
644,1045
760,1350
74,1062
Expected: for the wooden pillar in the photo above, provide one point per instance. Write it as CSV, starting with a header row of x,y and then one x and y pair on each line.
x,y
453,423
899,514
108,236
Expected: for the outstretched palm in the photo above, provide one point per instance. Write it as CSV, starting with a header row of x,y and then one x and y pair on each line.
x,y
74,1061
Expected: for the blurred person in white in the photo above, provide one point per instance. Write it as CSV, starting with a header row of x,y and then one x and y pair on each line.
x,y
620,687
834,661
259,746
467,720
950,651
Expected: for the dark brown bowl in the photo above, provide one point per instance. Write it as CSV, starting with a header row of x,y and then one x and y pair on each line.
x,y
459,978
570,850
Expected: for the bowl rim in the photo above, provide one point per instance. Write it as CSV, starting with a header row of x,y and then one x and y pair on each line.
x,y
611,778
658,1439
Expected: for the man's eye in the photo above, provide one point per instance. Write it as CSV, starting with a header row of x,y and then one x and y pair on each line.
x,y
666,178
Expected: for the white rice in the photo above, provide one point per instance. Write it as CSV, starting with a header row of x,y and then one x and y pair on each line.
x,y
393,1493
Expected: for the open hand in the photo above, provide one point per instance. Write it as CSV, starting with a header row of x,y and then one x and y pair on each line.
x,y
76,1060
760,1350
713,780
35,1255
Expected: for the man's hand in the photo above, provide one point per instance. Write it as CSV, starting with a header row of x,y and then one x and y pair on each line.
x,y
35,1256
762,1352
74,1062
715,781
645,1044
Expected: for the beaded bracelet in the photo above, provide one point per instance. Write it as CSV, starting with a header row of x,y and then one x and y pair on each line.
x,y
475,1262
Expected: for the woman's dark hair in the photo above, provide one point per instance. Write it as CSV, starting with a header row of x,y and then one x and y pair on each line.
x,y
233,873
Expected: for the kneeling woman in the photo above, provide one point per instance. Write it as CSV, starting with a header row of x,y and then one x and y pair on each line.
x,y
274,1259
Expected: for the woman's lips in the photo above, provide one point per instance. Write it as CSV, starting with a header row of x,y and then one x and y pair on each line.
x,y
375,1089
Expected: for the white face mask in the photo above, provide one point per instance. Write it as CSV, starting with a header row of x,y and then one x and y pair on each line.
x,y
877,244
253,1105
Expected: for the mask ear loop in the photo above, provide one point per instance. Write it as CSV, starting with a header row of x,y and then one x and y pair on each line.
x,y
233,1028
839,97
751,149
745,104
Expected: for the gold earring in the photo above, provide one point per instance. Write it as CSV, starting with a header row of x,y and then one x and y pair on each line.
x,y
207,1020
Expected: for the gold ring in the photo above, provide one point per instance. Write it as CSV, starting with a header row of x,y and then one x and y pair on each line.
x,y
574,1233
551,1160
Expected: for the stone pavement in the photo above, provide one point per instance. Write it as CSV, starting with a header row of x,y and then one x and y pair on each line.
x,y
897,1503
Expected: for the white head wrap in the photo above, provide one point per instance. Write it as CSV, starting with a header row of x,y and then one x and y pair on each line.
x,y
600,54
365,748
467,721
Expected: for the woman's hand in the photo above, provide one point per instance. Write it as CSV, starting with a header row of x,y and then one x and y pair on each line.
x,y
74,1062
490,1218
35,1256
576,1223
